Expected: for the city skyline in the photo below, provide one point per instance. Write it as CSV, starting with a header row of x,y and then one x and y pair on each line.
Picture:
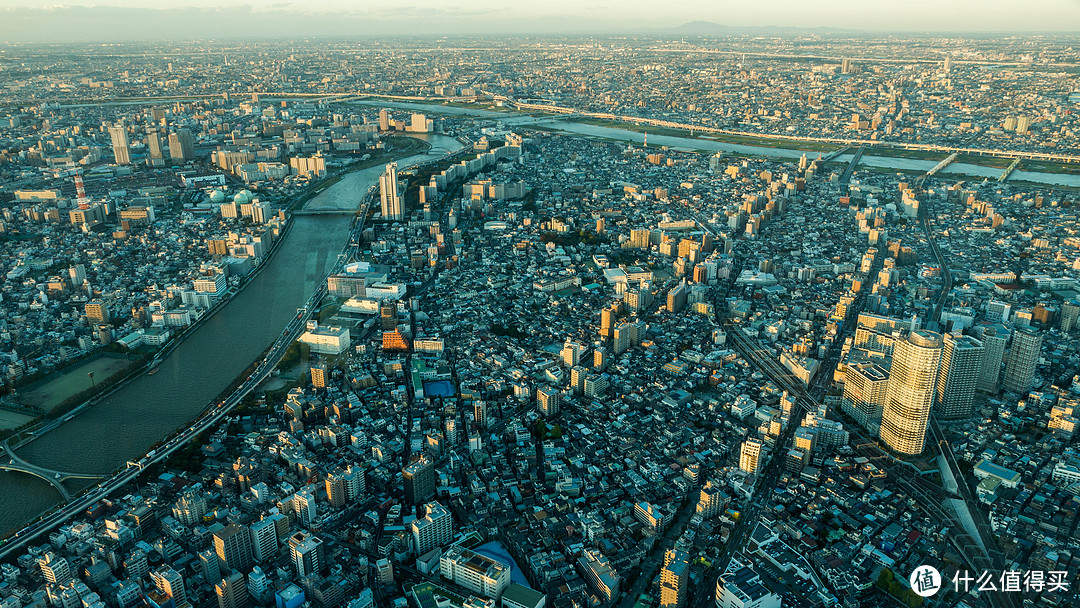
x,y
566,321
120,20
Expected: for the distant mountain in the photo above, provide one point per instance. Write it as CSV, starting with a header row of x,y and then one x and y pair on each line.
x,y
709,28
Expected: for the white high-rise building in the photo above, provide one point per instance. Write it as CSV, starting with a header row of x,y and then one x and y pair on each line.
x,y
750,456
961,364
434,529
55,569
264,539
304,503
392,205
912,384
171,583
866,387
475,572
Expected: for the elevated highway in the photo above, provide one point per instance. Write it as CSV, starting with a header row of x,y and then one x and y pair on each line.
x,y
54,477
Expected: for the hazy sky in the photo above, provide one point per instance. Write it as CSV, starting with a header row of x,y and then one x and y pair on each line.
x,y
22,20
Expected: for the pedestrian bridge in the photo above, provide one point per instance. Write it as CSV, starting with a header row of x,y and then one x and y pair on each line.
x,y
55,478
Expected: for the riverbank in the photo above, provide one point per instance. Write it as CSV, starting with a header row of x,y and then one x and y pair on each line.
x,y
149,408
70,407
764,142
403,147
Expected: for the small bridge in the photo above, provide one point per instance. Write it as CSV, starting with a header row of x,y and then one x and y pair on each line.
x,y
932,172
833,154
1009,170
56,478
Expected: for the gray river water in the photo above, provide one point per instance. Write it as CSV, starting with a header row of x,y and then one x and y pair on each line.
x,y
124,426
868,159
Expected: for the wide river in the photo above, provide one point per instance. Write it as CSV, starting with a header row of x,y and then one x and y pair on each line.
x,y
124,426
615,134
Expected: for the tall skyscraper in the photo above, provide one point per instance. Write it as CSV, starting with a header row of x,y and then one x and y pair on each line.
x,y
264,539
171,583
547,398
961,364
419,480
120,145
866,387
345,485
750,456
994,340
434,529
912,383
674,578
384,120
232,544
232,591
306,551
1023,355
181,145
392,207
153,142
1070,312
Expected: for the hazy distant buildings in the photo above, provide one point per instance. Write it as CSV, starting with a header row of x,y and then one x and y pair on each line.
x,y
181,145
120,144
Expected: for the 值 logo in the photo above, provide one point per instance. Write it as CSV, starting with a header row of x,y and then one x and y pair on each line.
x,y
925,581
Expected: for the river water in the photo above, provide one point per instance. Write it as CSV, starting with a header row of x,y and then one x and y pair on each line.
x,y
598,131
124,426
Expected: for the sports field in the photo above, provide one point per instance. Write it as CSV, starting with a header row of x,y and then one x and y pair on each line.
x,y
11,420
54,392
